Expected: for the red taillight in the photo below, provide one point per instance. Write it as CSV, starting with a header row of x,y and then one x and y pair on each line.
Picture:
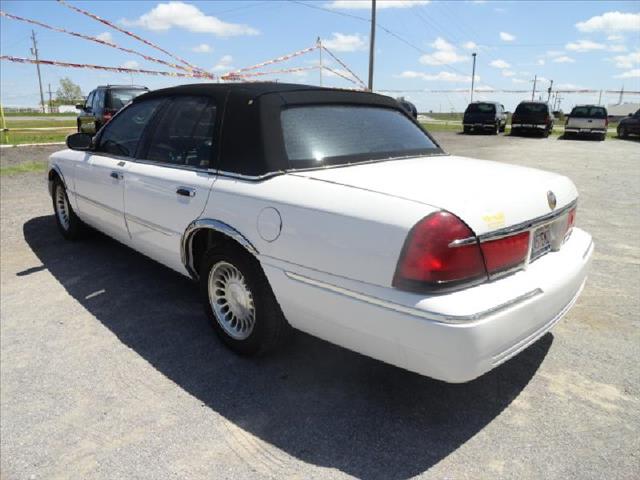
x,y
429,260
571,220
108,115
606,122
505,253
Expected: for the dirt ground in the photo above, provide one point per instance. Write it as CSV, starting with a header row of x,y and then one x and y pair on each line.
x,y
109,368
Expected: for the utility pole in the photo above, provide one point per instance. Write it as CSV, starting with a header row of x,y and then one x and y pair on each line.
x,y
473,74
549,91
600,98
372,43
50,102
621,93
319,44
34,51
533,93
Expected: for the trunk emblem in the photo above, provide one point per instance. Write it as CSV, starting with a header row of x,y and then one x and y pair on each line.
x,y
551,199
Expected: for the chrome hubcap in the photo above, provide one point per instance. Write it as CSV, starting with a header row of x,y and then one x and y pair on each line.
x,y
62,208
231,300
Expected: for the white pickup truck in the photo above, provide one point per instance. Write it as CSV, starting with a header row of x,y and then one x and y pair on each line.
x,y
589,120
333,212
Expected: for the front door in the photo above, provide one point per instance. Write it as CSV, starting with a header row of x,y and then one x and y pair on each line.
x,y
99,178
169,184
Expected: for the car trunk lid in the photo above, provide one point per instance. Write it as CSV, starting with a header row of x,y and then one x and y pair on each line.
x,y
486,195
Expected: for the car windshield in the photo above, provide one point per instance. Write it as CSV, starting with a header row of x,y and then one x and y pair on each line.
x,y
589,112
120,97
531,108
318,135
481,108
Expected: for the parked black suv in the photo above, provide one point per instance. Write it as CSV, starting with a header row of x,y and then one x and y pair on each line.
x,y
103,103
484,116
408,106
630,125
532,117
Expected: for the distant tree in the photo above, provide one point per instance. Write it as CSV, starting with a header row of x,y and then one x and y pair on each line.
x,y
68,92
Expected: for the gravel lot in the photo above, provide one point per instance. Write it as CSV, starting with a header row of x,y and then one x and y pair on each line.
x,y
110,370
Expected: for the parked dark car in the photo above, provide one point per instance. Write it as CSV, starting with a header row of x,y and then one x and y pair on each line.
x,y
103,103
630,125
532,117
587,120
408,106
484,116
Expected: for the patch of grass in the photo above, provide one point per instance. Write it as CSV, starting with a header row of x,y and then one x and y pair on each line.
x,y
19,138
70,123
38,114
27,167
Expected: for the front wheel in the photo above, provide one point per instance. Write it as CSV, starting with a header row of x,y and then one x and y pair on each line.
x,y
240,303
622,132
68,222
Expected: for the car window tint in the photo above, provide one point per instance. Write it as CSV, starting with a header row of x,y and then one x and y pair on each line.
x,y
481,108
532,108
118,98
340,134
121,135
589,112
89,102
98,100
184,135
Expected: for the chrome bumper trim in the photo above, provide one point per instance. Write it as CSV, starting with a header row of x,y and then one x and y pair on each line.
x,y
415,312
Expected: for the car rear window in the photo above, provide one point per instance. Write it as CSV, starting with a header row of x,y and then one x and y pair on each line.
x,y
589,112
119,98
317,135
481,108
531,108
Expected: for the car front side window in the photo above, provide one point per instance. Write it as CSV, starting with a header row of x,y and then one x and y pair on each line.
x,y
89,102
122,134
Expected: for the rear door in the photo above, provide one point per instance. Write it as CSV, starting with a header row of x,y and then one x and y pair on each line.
x,y
587,118
532,114
168,186
99,177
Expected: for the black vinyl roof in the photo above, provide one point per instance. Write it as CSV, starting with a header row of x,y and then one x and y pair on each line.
x,y
249,130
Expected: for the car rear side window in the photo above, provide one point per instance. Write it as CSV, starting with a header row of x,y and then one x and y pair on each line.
x,y
317,135
532,108
589,112
118,98
184,135
122,134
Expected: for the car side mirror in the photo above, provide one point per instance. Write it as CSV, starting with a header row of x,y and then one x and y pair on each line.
x,y
80,141
80,106
630,115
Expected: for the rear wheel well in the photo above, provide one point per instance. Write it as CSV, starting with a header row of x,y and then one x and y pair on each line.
x,y
205,239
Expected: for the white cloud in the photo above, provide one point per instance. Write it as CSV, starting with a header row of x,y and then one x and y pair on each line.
x,y
568,86
224,64
202,48
165,16
554,53
499,63
507,37
617,48
470,45
540,61
563,59
627,61
380,4
346,43
611,22
615,38
508,73
130,64
445,54
105,37
518,80
584,46
635,73
442,76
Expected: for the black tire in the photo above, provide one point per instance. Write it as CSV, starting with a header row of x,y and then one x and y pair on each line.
x,y
622,132
602,137
546,133
79,129
466,130
496,129
270,329
71,228
503,128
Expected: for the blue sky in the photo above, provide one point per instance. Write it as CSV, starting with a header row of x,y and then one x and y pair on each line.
x,y
594,44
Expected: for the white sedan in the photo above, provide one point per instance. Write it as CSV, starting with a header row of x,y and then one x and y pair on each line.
x,y
333,212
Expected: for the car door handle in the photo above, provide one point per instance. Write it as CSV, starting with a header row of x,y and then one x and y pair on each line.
x,y
116,175
186,192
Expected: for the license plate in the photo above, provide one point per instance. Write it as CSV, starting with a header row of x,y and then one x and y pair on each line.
x,y
541,242
585,130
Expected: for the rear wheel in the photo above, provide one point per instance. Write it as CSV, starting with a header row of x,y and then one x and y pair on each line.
x,y
466,130
622,131
496,129
68,222
546,132
240,303
602,137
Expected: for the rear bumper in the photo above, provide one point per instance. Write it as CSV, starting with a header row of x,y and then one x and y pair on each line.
x,y
454,337
483,126
528,126
584,131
